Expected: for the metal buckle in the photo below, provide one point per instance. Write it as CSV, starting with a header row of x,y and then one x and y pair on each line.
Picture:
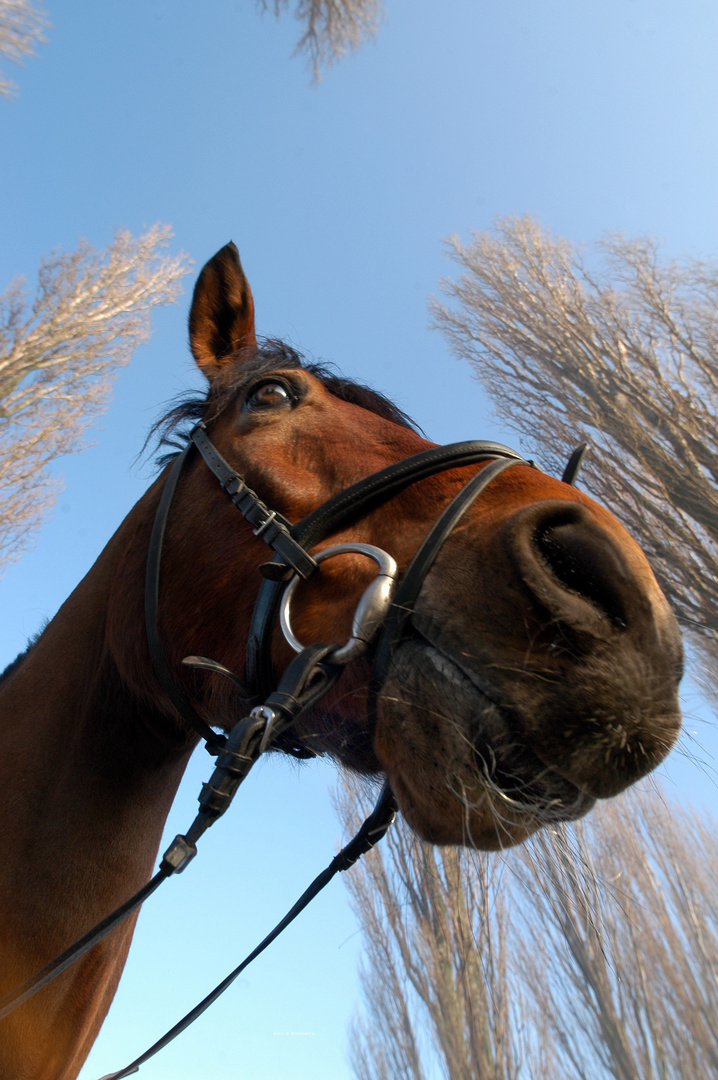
x,y
266,523
370,612
264,713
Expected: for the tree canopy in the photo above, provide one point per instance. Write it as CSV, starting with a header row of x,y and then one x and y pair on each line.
x,y
330,28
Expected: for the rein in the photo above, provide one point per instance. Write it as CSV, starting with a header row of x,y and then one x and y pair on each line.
x,y
273,711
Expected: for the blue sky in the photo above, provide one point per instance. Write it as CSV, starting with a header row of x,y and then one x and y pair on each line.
x,y
594,117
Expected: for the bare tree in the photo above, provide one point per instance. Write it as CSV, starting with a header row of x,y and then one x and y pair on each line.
x,y
613,949
619,952
58,356
22,26
619,349
435,981
331,28
589,953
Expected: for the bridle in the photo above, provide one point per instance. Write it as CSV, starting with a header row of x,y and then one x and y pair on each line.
x,y
291,561
272,711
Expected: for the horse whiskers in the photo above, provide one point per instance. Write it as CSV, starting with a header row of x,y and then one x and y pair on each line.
x,y
542,674
503,825
541,810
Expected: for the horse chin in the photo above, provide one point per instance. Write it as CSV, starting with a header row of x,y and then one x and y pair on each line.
x,y
449,745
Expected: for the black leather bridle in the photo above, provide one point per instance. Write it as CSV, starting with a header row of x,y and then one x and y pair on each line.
x,y
274,710
291,544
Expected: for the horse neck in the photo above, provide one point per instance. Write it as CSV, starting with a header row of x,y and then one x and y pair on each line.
x,y
87,778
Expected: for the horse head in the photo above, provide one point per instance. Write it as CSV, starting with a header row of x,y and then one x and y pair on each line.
x,y
537,669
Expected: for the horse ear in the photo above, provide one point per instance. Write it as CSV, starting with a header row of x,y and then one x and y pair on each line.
x,y
221,319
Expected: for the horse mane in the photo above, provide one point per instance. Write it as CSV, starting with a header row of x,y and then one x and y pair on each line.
x,y
171,431
15,664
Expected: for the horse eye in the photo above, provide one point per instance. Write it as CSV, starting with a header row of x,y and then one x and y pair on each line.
x,y
268,395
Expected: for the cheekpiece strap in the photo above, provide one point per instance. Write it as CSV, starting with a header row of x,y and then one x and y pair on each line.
x,y
271,526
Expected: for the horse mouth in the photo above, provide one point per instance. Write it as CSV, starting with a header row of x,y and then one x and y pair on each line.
x,y
507,769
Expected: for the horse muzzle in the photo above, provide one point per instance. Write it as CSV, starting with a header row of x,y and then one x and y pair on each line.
x,y
540,673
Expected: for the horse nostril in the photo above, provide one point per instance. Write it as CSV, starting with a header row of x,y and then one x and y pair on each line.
x,y
584,562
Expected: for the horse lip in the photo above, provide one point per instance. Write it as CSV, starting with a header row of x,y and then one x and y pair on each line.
x,y
504,769
479,683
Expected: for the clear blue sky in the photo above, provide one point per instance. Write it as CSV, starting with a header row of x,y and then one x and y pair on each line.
x,y
593,116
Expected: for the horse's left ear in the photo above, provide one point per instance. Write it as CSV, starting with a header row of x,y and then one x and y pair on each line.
x,y
221,319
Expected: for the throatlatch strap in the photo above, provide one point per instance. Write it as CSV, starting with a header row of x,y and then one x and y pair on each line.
x,y
152,594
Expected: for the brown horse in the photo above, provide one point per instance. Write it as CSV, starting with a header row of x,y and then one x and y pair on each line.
x,y
537,672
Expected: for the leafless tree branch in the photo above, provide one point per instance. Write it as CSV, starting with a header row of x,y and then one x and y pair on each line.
x,y
58,355
588,953
331,28
435,980
22,26
626,976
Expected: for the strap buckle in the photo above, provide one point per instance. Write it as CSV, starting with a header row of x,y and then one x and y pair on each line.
x,y
271,516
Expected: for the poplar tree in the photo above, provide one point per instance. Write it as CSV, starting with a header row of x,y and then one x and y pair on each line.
x,y
329,28
588,953
617,346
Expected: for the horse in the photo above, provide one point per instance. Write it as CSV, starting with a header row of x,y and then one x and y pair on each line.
x,y
534,671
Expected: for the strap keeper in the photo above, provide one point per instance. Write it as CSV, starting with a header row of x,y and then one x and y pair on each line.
x,y
244,499
293,553
276,571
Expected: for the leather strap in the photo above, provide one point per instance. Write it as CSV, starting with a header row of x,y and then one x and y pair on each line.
x,y
371,832
402,606
270,525
574,463
337,512
371,491
152,593
77,949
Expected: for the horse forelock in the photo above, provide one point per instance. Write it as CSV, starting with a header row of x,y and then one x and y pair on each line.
x,y
172,429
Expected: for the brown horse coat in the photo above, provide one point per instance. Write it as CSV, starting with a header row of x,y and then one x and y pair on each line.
x,y
540,671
